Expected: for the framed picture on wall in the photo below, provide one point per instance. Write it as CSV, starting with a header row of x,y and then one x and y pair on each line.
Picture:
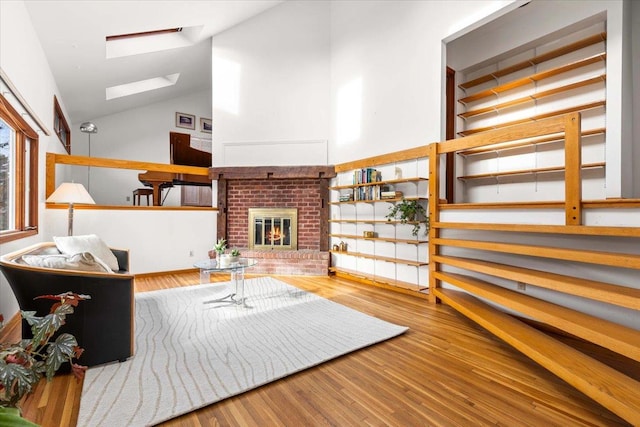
x,y
187,121
205,125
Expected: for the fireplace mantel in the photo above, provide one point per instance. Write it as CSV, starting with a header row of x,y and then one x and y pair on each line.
x,y
272,172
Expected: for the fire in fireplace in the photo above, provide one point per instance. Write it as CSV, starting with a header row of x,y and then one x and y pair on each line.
x,y
273,228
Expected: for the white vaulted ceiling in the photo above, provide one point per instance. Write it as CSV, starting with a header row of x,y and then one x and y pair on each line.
x,y
72,34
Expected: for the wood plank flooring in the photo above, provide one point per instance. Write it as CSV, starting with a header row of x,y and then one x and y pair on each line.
x,y
445,371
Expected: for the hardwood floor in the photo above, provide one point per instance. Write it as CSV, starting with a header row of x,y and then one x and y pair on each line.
x,y
445,371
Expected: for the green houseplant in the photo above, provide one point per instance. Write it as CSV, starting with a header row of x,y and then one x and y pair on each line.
x,y
220,247
409,212
23,364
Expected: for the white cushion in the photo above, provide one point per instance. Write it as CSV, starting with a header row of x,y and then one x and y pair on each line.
x,y
83,261
72,245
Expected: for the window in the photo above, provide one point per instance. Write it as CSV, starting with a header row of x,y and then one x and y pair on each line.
x,y
60,126
18,175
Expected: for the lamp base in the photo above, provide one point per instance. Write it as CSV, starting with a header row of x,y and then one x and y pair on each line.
x,y
70,229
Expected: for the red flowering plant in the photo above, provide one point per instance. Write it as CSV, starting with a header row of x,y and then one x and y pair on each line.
x,y
23,364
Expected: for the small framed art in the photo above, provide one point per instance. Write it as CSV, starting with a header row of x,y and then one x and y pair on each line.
x,y
187,121
205,125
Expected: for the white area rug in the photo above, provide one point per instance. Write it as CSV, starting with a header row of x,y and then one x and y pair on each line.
x,y
189,354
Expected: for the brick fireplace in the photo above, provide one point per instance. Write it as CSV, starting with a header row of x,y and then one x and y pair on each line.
x,y
304,188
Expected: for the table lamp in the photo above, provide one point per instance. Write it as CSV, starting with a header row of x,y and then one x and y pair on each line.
x,y
69,192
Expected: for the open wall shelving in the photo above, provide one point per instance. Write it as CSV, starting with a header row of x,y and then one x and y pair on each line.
x,y
365,244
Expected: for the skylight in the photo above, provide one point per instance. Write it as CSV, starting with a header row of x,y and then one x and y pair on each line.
x,y
150,41
141,86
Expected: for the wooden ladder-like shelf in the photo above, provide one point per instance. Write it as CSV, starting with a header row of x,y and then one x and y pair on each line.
x,y
602,383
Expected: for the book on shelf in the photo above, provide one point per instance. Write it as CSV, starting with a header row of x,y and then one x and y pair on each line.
x,y
391,195
366,176
367,193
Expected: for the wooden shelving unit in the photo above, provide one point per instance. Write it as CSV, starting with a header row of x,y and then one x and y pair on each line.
x,y
393,255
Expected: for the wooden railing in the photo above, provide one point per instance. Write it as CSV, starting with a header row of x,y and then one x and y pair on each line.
x,y
475,266
54,159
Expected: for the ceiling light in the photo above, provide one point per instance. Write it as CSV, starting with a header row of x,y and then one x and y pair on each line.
x,y
141,86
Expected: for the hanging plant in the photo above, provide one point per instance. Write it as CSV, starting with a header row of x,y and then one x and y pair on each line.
x,y
409,212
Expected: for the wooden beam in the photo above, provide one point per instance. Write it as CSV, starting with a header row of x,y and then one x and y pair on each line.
x,y
272,172
64,159
397,156
434,216
573,170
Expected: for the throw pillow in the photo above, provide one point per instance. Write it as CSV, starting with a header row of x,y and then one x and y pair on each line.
x,y
83,261
72,245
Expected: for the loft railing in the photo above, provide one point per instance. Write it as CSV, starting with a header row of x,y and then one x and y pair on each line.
x,y
53,159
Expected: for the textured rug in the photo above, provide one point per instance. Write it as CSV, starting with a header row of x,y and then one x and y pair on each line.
x,y
189,354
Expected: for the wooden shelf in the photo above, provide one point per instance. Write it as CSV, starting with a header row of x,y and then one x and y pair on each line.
x,y
596,38
528,171
533,78
385,182
524,143
381,239
533,97
611,388
381,258
615,337
350,202
365,221
555,113
379,280
599,291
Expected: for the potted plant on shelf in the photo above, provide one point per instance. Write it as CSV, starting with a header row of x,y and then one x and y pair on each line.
x,y
409,212
234,255
220,247
23,364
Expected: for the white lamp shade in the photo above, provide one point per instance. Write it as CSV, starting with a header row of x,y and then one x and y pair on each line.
x,y
70,192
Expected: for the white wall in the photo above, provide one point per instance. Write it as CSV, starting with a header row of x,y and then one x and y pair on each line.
x,y
276,77
271,77
393,49
635,79
24,62
157,240
141,134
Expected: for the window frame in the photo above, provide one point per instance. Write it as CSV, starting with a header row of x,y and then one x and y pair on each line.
x,y
26,207
60,125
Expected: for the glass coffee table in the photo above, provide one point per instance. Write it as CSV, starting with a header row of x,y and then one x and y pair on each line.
x,y
237,277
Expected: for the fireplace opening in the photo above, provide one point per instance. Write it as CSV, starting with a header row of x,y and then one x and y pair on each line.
x,y
273,228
